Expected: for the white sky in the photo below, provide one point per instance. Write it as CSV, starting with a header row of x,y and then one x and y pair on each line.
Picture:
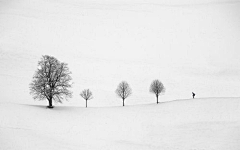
x,y
188,45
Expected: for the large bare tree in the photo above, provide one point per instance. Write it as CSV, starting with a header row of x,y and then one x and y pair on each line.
x,y
87,95
157,88
51,81
123,90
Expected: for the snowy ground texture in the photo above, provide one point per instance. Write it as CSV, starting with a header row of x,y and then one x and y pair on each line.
x,y
195,124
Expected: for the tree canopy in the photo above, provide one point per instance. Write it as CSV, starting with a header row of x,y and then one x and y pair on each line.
x,y
123,90
51,81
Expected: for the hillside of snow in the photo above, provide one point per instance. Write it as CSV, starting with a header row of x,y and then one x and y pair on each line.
x,y
194,124
191,46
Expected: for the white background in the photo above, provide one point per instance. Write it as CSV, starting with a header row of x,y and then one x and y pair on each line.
x,y
191,46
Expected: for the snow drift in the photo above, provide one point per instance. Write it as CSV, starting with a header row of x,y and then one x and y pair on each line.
x,y
196,124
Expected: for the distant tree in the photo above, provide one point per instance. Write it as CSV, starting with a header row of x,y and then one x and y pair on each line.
x,y
123,90
157,88
51,81
87,95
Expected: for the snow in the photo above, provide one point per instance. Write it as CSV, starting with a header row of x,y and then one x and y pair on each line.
x,y
194,124
190,46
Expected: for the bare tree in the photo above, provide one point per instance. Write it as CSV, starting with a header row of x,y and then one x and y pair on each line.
x,y
123,90
87,95
157,88
51,81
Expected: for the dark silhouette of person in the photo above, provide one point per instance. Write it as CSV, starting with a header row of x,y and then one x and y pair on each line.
x,y
193,94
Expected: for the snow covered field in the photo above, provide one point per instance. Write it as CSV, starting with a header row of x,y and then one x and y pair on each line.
x,y
189,45
199,124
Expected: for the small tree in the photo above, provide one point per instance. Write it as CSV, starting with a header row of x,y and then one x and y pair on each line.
x,y
51,81
157,88
87,95
123,90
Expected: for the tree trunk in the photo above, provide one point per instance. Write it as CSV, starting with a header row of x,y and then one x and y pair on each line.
x,y
123,102
50,103
86,103
157,99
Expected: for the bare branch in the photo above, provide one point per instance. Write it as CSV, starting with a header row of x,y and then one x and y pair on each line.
x,y
86,94
51,80
123,90
157,88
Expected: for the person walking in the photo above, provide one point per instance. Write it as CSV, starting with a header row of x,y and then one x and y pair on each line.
x,y
193,94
